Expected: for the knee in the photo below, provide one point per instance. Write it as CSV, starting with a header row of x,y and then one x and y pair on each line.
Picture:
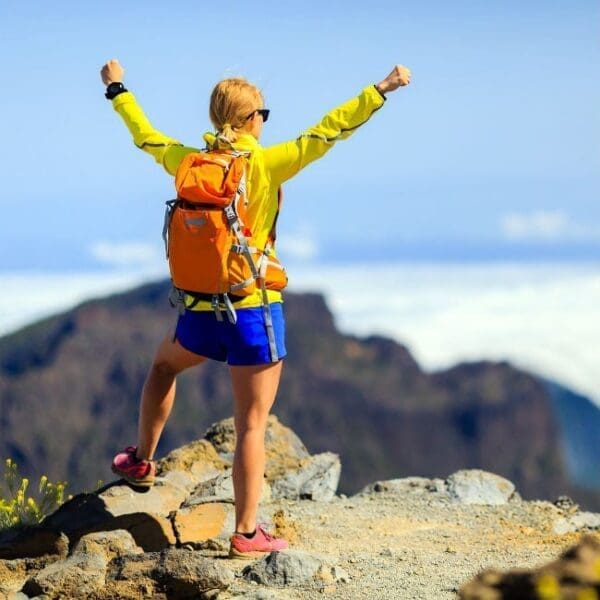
x,y
251,427
163,369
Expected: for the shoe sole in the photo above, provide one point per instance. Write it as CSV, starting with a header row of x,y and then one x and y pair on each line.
x,y
236,554
146,482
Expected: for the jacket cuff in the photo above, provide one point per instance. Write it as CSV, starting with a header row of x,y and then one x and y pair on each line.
x,y
379,92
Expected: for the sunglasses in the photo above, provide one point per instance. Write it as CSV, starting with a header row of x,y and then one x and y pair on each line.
x,y
263,112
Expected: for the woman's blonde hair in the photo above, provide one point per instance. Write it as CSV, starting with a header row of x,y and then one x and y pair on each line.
x,y
231,102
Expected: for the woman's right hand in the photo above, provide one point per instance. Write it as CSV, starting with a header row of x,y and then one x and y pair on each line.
x,y
399,77
112,72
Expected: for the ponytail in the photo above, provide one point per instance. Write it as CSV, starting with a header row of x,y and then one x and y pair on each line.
x,y
228,134
231,101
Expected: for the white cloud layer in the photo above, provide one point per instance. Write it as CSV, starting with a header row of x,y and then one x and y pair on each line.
x,y
127,254
543,318
298,245
546,225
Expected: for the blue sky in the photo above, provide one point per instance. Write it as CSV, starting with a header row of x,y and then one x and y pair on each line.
x,y
492,152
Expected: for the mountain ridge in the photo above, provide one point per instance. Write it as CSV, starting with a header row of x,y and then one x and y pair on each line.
x,y
72,382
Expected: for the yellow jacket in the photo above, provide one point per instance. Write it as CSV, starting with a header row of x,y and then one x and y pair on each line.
x,y
268,167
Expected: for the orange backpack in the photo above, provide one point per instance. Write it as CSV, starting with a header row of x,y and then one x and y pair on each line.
x,y
208,242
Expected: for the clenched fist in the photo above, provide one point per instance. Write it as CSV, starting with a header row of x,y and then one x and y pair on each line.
x,y
112,72
399,77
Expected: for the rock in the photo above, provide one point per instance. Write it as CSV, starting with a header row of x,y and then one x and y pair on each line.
x,y
581,521
339,575
284,449
134,574
290,470
32,542
184,574
574,575
317,478
191,464
216,489
175,573
259,595
473,486
87,513
197,524
14,573
79,576
109,544
566,504
293,567
151,532
222,437
161,499
219,489
405,485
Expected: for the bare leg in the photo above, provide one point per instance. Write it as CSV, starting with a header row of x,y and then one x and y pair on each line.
x,y
254,390
159,392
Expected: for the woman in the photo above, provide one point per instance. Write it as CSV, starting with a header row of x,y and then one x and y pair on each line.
x,y
238,114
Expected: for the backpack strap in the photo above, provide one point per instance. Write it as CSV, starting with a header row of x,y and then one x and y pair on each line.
x,y
235,224
268,317
167,221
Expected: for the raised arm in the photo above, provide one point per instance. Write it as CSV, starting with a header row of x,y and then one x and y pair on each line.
x,y
285,160
167,151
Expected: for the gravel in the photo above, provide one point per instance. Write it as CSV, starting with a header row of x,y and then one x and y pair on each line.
x,y
419,544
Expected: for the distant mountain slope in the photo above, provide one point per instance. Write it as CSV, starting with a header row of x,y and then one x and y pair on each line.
x,y
579,421
69,389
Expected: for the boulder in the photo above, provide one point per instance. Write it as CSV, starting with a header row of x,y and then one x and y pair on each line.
x,y
473,486
575,575
405,485
132,576
88,513
316,478
109,544
580,521
219,489
184,574
161,499
32,542
198,523
79,576
284,449
292,567
260,595
189,465
290,470
14,573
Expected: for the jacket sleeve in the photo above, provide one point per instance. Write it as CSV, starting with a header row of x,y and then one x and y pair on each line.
x,y
167,151
285,160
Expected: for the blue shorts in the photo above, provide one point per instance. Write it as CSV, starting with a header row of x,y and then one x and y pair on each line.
x,y
242,343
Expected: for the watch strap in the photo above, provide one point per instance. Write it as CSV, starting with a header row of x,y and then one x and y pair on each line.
x,y
114,89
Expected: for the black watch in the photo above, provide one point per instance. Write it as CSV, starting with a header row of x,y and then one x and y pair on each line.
x,y
114,89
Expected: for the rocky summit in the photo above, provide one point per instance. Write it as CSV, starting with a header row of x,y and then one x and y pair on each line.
x,y
421,538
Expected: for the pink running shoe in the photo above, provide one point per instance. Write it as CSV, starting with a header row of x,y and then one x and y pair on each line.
x,y
258,545
134,470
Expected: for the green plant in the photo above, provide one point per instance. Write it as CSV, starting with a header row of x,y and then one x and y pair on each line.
x,y
17,508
